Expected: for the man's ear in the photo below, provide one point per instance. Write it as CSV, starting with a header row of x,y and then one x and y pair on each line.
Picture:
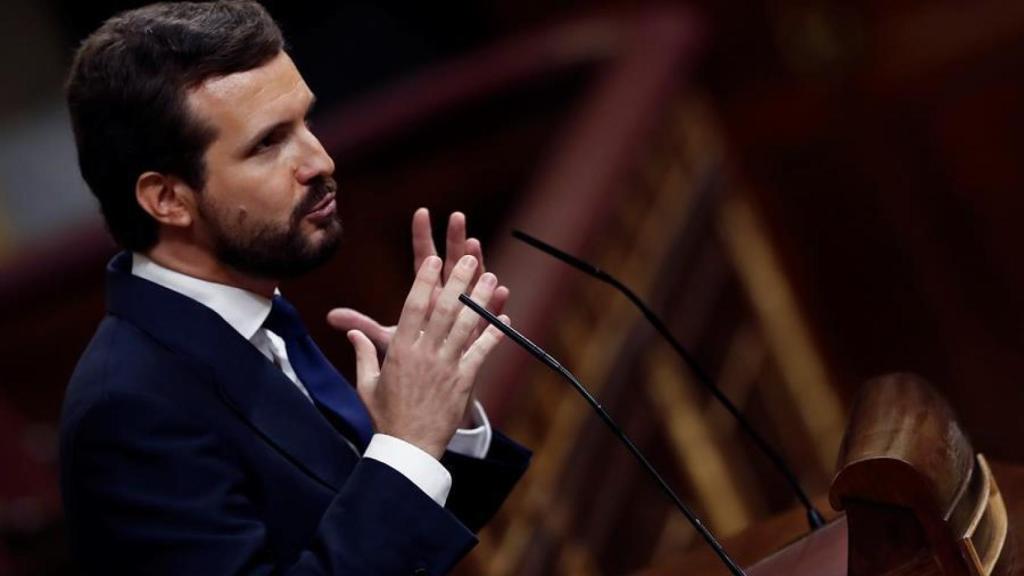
x,y
167,199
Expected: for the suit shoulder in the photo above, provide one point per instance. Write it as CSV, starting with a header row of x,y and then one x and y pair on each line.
x,y
122,359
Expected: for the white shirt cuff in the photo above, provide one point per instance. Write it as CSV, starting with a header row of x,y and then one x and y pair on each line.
x,y
420,468
473,442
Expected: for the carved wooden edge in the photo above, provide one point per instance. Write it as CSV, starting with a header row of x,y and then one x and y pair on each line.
x,y
984,534
901,429
904,461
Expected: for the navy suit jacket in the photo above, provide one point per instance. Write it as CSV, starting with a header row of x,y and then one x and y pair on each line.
x,y
185,451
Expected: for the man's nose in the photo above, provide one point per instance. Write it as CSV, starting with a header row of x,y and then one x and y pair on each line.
x,y
314,161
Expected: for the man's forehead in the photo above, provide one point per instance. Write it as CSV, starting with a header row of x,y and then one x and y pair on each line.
x,y
276,83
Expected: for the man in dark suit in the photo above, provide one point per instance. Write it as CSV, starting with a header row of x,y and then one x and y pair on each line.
x,y
203,432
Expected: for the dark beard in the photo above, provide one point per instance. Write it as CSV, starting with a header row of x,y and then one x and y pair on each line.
x,y
274,253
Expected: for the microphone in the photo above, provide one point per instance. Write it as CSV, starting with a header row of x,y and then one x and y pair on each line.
x,y
814,517
538,353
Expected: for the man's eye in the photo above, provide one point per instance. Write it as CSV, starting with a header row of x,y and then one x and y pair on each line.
x,y
268,142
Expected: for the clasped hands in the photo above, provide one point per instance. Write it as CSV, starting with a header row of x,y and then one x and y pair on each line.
x,y
422,390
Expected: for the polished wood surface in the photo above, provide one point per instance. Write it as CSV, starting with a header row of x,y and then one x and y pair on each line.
x,y
822,553
917,496
901,430
781,545
904,466
917,501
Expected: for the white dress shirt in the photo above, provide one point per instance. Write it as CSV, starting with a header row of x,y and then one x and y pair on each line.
x,y
245,312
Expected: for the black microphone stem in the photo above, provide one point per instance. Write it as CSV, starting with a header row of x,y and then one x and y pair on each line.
x,y
814,517
550,362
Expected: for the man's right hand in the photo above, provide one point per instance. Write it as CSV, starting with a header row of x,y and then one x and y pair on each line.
x,y
426,382
456,245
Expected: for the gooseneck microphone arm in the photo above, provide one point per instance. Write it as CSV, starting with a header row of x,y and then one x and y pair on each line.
x,y
814,517
538,353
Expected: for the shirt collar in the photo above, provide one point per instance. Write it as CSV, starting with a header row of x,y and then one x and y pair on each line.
x,y
242,310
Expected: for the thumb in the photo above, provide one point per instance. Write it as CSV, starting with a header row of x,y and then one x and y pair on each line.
x,y
347,319
367,366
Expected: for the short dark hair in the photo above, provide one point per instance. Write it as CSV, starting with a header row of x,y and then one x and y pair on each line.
x,y
127,97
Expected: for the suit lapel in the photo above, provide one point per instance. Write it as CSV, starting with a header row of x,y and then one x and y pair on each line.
x,y
277,410
249,383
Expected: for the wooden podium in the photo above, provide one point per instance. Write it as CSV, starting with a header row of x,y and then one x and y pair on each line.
x,y
915,500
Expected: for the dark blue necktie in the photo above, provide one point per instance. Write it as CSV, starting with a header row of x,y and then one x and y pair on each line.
x,y
328,388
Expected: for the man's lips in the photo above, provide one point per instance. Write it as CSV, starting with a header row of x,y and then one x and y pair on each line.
x,y
323,205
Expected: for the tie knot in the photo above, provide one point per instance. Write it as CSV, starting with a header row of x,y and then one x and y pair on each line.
x,y
284,319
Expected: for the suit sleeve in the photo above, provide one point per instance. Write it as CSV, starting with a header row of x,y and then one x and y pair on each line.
x,y
480,486
154,493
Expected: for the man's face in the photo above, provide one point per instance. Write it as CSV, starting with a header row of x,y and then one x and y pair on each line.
x,y
268,205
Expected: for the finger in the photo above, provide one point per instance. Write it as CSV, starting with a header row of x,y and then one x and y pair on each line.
x,y
481,348
467,321
474,249
433,298
496,306
455,242
501,294
448,306
345,319
417,303
422,238
367,366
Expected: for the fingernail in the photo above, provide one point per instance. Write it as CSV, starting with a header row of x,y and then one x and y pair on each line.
x,y
488,279
434,262
468,262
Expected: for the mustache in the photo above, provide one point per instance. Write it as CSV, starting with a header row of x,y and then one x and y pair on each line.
x,y
319,188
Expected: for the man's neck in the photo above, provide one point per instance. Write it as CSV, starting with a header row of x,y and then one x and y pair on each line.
x,y
200,263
